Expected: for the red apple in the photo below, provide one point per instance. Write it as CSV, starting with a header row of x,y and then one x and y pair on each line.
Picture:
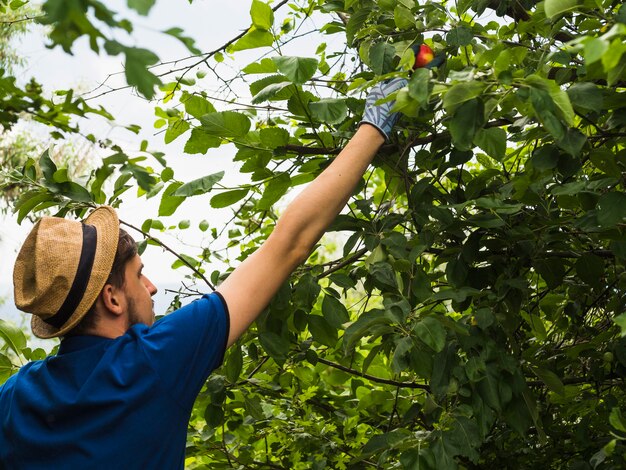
x,y
423,56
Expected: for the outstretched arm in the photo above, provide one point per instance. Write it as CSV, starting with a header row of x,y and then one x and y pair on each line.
x,y
251,286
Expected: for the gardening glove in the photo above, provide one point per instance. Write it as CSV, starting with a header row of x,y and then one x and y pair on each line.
x,y
380,115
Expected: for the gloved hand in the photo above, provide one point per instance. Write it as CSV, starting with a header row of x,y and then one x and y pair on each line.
x,y
380,116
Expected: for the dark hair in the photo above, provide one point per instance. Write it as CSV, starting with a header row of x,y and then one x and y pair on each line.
x,y
126,250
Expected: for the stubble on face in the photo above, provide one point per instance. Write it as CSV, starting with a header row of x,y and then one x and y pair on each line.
x,y
134,317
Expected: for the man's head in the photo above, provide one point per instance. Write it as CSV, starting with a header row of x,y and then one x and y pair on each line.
x,y
125,271
66,268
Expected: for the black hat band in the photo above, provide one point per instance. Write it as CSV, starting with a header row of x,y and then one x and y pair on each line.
x,y
81,279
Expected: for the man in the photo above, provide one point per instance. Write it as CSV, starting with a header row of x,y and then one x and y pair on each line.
x,y
120,391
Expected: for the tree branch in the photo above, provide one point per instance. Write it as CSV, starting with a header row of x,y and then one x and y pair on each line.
x,y
344,263
167,248
372,378
21,20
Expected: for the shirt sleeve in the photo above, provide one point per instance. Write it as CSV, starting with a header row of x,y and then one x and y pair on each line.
x,y
185,346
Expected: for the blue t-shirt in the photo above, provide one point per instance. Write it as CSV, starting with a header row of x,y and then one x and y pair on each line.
x,y
114,403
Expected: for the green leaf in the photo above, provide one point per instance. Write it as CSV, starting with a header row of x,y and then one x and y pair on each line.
x,y
272,90
385,442
137,73
611,209
176,128
549,378
321,331
12,336
189,43
585,95
545,157
620,321
432,333
201,142
253,39
6,368
274,137
620,17
170,202
556,102
466,122
605,161
334,312
276,346
29,201
558,7
551,270
617,419
355,23
48,167
262,15
61,176
234,364
443,455
420,87
456,272
213,415
199,186
254,407
400,360
464,437
403,17
298,70
330,110
265,66
76,192
381,56
536,325
460,93
460,36
590,268
197,106
228,198
458,295
545,108
383,276
142,7
366,325
492,141
226,124
276,188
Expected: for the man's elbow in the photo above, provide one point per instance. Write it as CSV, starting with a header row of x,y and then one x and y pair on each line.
x,y
294,250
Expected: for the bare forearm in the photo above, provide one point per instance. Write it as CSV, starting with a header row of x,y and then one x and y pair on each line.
x,y
310,214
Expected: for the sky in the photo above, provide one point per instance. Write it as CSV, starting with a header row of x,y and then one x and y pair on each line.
x,y
211,23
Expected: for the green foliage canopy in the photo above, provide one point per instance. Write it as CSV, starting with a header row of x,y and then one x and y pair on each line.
x,y
472,315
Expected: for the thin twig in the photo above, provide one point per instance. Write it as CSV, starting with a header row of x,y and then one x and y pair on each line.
x,y
21,20
372,378
167,248
344,263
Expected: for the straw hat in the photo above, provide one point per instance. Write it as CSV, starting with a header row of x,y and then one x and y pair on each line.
x,y
62,267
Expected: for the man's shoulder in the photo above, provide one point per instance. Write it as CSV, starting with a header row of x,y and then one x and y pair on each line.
x,y
24,371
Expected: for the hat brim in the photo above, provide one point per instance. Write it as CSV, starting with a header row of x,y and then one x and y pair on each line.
x,y
107,224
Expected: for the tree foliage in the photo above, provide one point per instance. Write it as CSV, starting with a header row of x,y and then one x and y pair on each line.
x,y
472,313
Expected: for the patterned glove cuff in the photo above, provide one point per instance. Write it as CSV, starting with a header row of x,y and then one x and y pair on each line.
x,y
380,115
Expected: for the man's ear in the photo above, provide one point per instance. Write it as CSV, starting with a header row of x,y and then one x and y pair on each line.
x,y
112,299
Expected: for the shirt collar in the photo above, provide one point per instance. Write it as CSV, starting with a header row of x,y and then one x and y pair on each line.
x,y
72,344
